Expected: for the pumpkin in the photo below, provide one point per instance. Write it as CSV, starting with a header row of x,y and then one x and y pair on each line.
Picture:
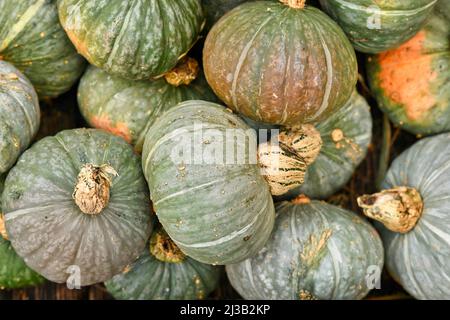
x,y
164,272
413,209
32,39
316,251
375,26
215,9
133,39
129,108
76,206
213,203
411,83
19,114
14,273
280,64
346,136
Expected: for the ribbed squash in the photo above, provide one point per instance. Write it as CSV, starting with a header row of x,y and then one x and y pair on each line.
x,y
163,272
374,26
316,251
215,9
133,39
218,210
129,108
14,273
32,39
279,64
412,82
76,206
414,208
19,114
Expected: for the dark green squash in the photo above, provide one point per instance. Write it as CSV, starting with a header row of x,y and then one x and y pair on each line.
x,y
279,64
374,26
163,272
316,251
19,114
136,40
32,39
76,206
129,108
412,83
215,9
414,208
217,211
14,273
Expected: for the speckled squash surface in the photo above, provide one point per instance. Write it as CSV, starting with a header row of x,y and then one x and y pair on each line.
x,y
346,136
412,82
216,211
49,187
19,114
32,39
129,108
316,251
374,26
172,276
278,64
215,9
14,273
419,260
133,39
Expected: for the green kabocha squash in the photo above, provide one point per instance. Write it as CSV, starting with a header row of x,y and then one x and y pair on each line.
x,y
136,40
206,186
412,82
163,272
76,206
316,251
14,273
32,39
374,26
280,62
414,211
346,136
19,114
129,108
215,9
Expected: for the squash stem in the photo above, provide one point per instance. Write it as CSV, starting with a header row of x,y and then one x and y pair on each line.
x,y
184,73
295,4
164,249
2,227
399,209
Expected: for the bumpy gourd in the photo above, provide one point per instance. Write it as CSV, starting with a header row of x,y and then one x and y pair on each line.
x,y
77,207
32,39
414,210
316,251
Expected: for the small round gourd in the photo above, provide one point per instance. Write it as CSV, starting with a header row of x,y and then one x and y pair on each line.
x,y
217,210
280,64
375,26
316,251
14,273
19,114
163,272
414,210
76,206
32,39
136,40
129,108
411,83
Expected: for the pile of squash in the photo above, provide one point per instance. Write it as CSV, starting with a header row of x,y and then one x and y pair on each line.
x,y
218,130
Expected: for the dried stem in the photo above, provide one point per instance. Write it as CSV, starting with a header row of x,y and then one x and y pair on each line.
x,y
295,4
184,73
164,249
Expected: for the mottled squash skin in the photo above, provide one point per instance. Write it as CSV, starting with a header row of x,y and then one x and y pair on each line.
x,y
316,251
129,108
412,82
280,65
48,229
215,9
32,39
419,260
14,273
346,136
238,222
374,26
133,39
19,114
